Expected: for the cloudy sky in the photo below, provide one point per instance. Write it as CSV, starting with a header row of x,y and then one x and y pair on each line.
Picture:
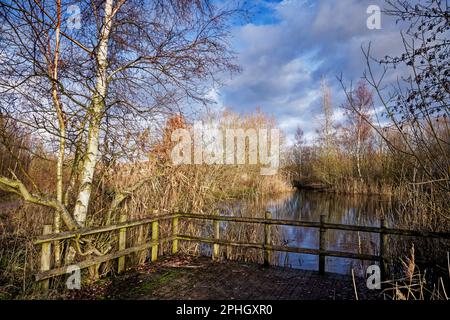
x,y
288,46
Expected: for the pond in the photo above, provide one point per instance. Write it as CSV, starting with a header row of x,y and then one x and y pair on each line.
x,y
340,209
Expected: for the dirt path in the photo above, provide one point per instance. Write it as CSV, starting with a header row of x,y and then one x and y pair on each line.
x,y
186,278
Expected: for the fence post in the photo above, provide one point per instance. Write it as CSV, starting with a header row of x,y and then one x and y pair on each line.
x,y
155,238
216,246
175,235
383,241
142,234
46,255
267,240
322,244
122,244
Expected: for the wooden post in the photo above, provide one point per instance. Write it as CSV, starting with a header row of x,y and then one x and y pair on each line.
x,y
57,245
155,238
383,241
267,240
322,244
46,255
216,247
122,244
142,256
175,234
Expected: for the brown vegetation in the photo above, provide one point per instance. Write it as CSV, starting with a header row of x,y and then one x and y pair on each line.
x,y
76,107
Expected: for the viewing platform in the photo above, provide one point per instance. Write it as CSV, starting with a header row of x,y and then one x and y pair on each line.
x,y
182,277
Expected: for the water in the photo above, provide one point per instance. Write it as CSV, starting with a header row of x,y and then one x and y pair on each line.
x,y
341,209
308,206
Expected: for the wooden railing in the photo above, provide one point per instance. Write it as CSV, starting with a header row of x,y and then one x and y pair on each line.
x,y
46,240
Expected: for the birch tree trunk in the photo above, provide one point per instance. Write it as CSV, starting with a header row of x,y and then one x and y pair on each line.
x,y
358,150
97,109
53,68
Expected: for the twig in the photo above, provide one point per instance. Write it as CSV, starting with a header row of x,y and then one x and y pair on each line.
x,y
354,285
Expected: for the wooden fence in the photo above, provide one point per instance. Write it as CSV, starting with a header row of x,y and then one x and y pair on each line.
x,y
47,239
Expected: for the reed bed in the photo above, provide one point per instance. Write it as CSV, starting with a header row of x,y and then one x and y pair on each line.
x,y
197,189
413,283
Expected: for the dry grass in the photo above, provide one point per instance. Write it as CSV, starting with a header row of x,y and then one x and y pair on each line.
x,y
417,285
182,188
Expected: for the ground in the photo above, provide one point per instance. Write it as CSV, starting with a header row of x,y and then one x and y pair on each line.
x,y
200,278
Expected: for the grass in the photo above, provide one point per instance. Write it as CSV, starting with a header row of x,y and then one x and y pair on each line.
x,y
415,284
156,282
196,189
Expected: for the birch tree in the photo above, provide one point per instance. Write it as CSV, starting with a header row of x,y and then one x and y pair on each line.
x,y
327,130
417,105
326,136
84,88
358,116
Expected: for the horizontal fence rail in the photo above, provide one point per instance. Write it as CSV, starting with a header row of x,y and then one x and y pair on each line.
x,y
100,259
311,224
281,248
46,240
96,230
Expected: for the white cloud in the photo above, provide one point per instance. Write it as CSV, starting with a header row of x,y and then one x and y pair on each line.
x,y
283,62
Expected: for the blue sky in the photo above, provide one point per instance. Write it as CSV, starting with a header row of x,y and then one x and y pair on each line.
x,y
288,46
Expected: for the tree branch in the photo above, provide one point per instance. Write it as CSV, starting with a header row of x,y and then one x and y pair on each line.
x,y
17,187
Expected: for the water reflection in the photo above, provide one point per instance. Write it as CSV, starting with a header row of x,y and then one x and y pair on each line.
x,y
308,206
340,209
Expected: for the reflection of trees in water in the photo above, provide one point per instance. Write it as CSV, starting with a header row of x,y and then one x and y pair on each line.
x,y
341,209
301,206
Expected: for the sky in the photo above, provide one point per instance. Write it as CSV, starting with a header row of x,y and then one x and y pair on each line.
x,y
285,49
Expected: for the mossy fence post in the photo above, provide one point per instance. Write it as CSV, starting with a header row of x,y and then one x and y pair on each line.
x,y
383,241
122,244
216,246
175,235
155,239
46,256
322,244
267,239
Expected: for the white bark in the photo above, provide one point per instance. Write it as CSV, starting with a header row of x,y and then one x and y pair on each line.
x,y
358,150
97,108
17,187
62,134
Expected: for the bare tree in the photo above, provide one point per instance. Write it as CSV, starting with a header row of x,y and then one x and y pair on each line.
x,y
327,131
90,89
358,113
417,105
298,147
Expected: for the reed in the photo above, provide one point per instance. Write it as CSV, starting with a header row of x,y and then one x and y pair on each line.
x,y
189,188
414,284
